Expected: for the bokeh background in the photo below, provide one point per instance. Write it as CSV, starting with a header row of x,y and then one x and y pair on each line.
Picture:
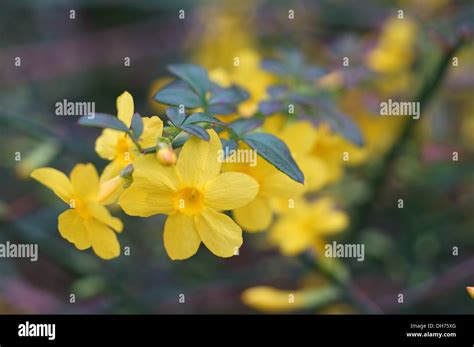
x,y
408,250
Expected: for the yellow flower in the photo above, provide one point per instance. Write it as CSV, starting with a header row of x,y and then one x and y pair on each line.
x,y
306,226
301,137
394,51
249,75
272,300
88,223
117,146
193,193
257,215
470,291
329,149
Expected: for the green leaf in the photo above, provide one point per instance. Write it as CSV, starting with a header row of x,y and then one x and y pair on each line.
x,y
222,109
242,126
102,120
175,116
270,106
178,93
203,117
228,146
231,95
196,131
275,152
195,76
137,126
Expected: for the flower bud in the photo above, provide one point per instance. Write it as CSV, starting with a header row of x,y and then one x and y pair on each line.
x,y
470,290
166,156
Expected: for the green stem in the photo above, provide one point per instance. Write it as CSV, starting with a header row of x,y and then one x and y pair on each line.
x,y
376,182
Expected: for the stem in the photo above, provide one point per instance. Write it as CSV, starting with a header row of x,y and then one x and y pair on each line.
x,y
352,293
378,179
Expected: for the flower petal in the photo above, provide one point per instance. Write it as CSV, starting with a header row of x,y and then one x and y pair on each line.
x,y
145,199
72,227
180,237
125,108
291,236
106,144
56,181
327,219
85,181
300,137
198,161
113,169
103,239
102,214
221,235
256,216
280,186
152,129
230,190
147,166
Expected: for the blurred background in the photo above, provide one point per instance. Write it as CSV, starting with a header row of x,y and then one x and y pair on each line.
x,y
76,50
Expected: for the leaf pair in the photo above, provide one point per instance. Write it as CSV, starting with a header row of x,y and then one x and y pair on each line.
x,y
195,90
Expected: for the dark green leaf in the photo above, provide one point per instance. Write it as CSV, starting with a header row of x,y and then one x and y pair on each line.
x,y
102,120
276,153
228,146
195,76
203,117
137,126
277,91
175,116
196,131
222,109
269,107
231,95
180,140
241,126
178,93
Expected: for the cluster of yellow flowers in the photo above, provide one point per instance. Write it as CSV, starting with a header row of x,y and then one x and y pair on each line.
x,y
195,188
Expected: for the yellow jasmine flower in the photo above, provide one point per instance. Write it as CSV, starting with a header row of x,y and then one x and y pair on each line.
x,y
117,146
249,75
301,137
329,149
470,291
192,193
271,300
394,51
306,226
87,223
257,215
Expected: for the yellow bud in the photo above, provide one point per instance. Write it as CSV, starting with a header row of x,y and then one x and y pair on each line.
x,y
166,156
470,290
108,189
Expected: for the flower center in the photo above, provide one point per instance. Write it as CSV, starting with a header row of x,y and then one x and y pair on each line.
x,y
79,206
189,201
123,150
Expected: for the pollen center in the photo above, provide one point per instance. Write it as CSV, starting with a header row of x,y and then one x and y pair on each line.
x,y
189,200
123,151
